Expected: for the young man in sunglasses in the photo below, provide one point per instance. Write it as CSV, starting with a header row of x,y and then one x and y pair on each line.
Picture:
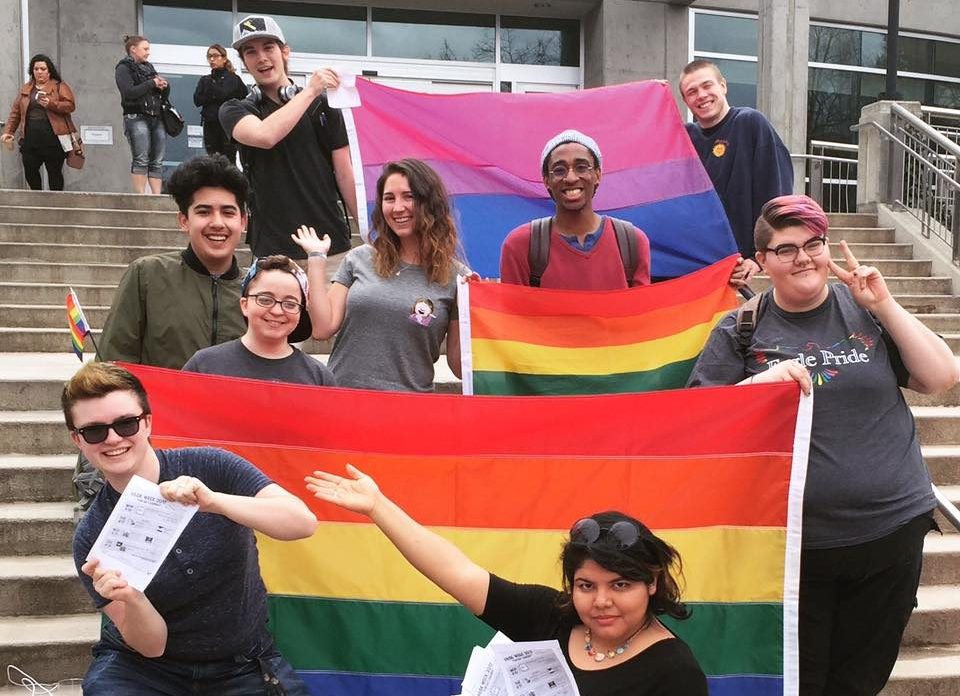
x,y
576,249
274,305
200,626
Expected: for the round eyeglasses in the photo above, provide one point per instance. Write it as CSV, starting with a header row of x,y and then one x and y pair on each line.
x,y
267,301
560,171
789,252
588,531
124,427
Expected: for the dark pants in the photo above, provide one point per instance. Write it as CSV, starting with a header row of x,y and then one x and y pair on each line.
x,y
215,140
854,605
50,156
116,673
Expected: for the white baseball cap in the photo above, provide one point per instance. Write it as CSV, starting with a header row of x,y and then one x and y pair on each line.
x,y
256,27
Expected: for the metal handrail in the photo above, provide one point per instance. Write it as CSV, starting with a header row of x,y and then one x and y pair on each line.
x,y
934,168
927,129
946,507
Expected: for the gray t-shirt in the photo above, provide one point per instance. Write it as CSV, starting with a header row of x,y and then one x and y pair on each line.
x,y
865,476
391,332
233,359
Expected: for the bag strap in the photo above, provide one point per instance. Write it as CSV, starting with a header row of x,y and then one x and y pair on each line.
x,y
748,316
627,243
539,253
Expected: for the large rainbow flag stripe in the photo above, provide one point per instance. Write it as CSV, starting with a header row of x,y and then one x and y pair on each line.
x,y
517,340
504,478
487,146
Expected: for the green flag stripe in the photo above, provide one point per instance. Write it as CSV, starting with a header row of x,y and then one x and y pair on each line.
x,y
436,639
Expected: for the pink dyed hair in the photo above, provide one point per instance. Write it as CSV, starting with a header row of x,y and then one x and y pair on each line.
x,y
787,211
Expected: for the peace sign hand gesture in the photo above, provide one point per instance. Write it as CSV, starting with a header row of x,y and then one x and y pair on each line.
x,y
865,282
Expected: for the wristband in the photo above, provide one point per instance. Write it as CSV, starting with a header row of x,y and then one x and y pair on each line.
x,y
317,255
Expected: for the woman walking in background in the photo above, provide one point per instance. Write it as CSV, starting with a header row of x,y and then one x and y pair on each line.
x,y
222,84
42,109
142,92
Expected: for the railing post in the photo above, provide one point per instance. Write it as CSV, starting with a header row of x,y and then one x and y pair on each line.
x,y
955,225
895,161
816,181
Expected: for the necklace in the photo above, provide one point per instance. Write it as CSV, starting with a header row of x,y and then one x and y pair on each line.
x,y
600,656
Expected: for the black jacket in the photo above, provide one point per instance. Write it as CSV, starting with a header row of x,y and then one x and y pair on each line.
x,y
216,88
138,93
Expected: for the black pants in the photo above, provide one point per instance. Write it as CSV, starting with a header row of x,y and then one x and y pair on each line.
x,y
854,606
216,141
50,156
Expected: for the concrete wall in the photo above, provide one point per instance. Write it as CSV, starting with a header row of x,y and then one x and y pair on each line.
x,y
629,40
11,78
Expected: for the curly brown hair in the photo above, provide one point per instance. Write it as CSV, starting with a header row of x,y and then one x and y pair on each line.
x,y
439,247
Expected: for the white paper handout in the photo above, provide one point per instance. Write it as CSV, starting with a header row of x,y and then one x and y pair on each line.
x,y
535,668
346,95
140,532
484,677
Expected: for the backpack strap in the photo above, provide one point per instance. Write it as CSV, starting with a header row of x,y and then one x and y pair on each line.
x,y
539,253
627,242
748,316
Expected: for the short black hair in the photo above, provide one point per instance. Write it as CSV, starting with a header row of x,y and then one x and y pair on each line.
x,y
214,171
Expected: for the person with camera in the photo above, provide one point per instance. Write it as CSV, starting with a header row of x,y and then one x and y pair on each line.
x,y
293,146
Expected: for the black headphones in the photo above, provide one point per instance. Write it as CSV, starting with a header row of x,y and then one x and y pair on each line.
x,y
285,94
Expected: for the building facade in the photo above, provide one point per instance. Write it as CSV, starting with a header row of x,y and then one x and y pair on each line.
x,y
809,64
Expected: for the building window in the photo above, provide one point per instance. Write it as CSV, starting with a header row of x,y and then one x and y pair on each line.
x,y
434,35
720,33
181,94
182,22
313,28
538,41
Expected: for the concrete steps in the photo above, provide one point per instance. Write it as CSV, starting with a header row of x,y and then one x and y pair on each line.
x,y
48,648
109,217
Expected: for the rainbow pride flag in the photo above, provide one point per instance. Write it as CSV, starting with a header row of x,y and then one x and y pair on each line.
x,y
486,147
79,328
516,340
719,472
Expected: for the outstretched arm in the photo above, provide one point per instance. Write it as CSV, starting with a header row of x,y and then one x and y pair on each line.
x,y
273,511
926,356
439,560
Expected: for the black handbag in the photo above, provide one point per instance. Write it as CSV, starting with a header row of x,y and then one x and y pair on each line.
x,y
172,120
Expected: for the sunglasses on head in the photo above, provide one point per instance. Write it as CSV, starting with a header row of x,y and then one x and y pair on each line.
x,y
588,531
124,427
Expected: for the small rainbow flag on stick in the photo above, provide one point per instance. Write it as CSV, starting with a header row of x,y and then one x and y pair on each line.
x,y
517,340
79,327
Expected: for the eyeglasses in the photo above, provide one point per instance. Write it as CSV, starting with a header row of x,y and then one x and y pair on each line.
x,y
124,427
267,301
211,56
789,252
587,531
560,171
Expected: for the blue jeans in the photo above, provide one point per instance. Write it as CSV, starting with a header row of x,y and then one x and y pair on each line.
x,y
119,673
147,140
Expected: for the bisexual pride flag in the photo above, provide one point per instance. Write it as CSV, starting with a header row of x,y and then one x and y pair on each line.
x,y
486,148
718,472
532,341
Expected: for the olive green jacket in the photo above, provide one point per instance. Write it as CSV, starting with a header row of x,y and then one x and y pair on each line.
x,y
168,307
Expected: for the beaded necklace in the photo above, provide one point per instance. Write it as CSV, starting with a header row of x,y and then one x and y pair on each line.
x,y
600,656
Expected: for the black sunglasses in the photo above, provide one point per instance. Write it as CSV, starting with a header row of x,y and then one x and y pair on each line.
x,y
124,427
587,531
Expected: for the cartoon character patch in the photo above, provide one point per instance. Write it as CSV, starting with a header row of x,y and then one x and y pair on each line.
x,y
719,148
422,312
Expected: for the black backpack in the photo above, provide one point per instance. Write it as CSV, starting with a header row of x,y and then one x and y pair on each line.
x,y
539,254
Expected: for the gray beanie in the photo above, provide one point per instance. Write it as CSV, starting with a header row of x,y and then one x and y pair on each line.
x,y
570,136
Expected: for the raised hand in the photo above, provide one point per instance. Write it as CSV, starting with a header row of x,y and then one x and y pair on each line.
x,y
322,79
866,283
307,239
358,493
743,272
